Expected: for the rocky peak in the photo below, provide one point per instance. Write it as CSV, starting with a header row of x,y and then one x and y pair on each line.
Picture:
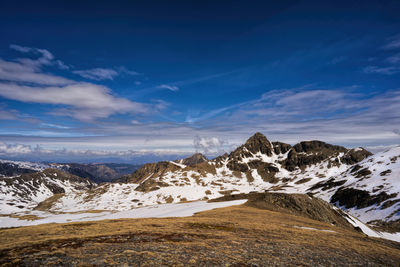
x,y
259,143
317,146
194,159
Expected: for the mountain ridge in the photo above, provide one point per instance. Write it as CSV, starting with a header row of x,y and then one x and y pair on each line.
x,y
332,173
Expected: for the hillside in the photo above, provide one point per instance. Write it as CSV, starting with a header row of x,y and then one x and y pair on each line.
x,y
232,236
27,191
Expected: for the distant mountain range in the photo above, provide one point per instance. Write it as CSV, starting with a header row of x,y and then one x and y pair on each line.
x,y
96,172
365,185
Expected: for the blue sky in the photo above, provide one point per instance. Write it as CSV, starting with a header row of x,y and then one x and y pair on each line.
x,y
147,80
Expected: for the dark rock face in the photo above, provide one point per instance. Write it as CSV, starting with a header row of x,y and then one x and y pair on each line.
x,y
385,172
267,171
256,143
317,146
236,166
350,197
259,143
326,185
310,152
194,159
355,155
281,148
362,173
9,169
355,168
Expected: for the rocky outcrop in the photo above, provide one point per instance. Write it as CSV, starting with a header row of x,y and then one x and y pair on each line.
x,y
150,170
350,197
281,148
194,159
353,156
307,153
296,204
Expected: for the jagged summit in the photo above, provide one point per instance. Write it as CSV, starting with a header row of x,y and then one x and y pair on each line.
x,y
259,143
194,159
255,144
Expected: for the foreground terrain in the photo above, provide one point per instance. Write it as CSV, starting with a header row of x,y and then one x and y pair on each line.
x,y
232,236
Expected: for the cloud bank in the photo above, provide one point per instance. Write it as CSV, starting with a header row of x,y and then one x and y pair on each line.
x,y
24,80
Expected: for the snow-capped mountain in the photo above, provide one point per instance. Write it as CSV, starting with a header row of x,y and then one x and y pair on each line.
x,y
369,189
10,168
31,190
97,172
366,185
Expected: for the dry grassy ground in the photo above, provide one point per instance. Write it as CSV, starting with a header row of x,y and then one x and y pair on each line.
x,y
234,236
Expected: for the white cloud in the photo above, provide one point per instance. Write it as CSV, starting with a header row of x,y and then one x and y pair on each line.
x,y
35,153
24,72
89,101
97,74
207,145
14,149
168,87
24,80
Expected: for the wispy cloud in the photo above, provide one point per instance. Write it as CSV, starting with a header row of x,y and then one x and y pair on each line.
x,y
8,114
100,74
45,57
382,70
337,60
394,58
393,43
168,87
97,74
51,125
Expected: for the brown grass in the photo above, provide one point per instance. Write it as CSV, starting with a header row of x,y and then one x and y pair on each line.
x,y
235,235
47,204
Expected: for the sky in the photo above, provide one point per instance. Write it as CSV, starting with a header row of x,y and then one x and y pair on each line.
x,y
140,81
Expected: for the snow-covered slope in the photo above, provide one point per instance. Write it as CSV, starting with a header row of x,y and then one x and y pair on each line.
x,y
11,168
369,190
363,184
26,192
258,165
